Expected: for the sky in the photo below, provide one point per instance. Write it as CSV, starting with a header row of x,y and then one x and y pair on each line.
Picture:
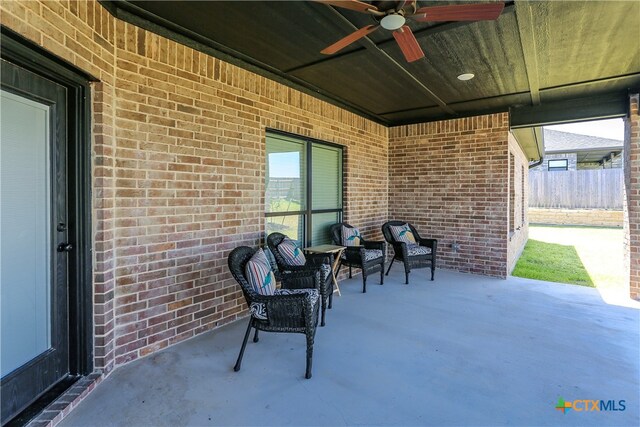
x,y
284,165
610,128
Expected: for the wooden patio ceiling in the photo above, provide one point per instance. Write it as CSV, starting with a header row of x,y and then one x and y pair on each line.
x,y
543,57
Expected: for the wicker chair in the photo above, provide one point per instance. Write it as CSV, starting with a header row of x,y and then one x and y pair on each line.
x,y
285,313
404,253
314,263
356,256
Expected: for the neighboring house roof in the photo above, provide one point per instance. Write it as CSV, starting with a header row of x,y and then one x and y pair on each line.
x,y
565,142
589,149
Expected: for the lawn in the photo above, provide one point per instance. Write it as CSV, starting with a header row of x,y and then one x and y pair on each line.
x,y
587,256
291,225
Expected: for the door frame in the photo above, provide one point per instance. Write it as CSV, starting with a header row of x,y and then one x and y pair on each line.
x,y
25,54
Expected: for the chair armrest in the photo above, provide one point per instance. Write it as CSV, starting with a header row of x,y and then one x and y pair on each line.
x,y
372,244
289,268
303,279
354,253
431,243
283,307
400,248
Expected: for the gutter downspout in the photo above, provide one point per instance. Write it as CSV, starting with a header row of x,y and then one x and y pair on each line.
x,y
539,162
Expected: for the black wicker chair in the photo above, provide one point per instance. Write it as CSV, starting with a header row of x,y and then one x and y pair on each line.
x,y
285,313
403,253
356,256
314,263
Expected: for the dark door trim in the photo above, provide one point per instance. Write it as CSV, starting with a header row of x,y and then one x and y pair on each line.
x,y
27,55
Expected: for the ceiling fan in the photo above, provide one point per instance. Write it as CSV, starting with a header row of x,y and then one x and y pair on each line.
x,y
393,15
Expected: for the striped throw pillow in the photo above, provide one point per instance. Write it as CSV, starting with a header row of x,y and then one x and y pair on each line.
x,y
402,233
259,274
350,236
291,252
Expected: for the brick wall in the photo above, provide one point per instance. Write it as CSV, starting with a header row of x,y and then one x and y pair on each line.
x,y
632,196
178,171
519,187
451,180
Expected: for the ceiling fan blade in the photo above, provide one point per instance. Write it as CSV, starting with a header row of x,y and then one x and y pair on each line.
x,y
342,43
356,5
459,12
408,44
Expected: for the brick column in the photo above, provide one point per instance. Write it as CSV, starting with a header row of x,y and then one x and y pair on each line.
x,y
103,239
632,196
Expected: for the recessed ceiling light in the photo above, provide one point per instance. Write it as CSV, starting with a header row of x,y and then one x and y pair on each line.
x,y
466,76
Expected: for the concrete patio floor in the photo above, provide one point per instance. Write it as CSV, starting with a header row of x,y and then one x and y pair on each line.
x,y
462,350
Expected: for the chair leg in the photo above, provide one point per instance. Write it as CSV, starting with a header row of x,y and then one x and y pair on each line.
x,y
407,270
364,281
309,354
255,336
349,272
324,308
244,344
392,259
382,274
330,298
433,267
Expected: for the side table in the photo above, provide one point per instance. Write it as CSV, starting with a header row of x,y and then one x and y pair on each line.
x,y
330,249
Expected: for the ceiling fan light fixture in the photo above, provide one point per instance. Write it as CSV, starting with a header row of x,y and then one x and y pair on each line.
x,y
466,76
392,21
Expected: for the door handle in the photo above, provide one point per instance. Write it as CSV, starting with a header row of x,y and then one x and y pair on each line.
x,y
65,247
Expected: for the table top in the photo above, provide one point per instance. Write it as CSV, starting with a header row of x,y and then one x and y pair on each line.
x,y
324,249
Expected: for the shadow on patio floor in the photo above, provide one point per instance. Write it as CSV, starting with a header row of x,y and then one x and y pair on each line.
x,y
462,350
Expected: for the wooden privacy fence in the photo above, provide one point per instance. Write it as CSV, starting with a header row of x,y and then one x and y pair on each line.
x,y
579,189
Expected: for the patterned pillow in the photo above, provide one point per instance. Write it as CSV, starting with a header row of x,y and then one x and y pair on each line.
x,y
371,254
325,270
311,294
258,310
259,274
350,236
413,250
291,252
402,233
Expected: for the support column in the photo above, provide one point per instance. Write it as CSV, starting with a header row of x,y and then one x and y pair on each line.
x,y
632,196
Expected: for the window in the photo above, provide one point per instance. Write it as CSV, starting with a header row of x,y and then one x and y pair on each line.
x,y
303,194
559,165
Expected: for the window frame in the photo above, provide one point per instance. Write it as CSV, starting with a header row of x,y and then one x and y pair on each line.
x,y
307,213
558,168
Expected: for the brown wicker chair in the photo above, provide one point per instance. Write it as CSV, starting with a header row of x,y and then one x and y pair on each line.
x,y
315,262
285,313
359,256
406,254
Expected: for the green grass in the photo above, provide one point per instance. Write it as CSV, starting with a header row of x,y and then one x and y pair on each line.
x,y
283,205
553,263
290,224
587,256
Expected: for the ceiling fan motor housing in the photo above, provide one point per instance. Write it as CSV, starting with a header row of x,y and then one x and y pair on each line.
x,y
392,21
